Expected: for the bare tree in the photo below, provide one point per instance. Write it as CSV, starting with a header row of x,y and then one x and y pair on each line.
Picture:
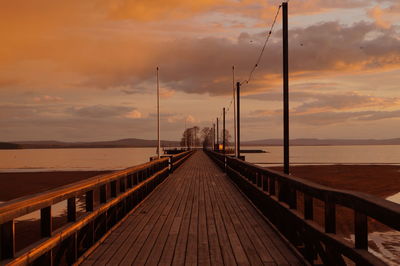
x,y
227,138
206,135
187,138
190,137
196,139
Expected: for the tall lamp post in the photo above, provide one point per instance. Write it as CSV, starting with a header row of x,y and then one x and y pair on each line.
x,y
217,134
238,119
223,132
234,110
213,136
158,118
285,87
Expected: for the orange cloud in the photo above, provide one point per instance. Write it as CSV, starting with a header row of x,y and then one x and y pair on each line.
x,y
135,114
166,93
385,17
377,14
150,10
47,98
79,44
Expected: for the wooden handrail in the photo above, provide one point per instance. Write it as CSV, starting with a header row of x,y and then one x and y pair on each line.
x,y
262,186
78,235
21,206
382,210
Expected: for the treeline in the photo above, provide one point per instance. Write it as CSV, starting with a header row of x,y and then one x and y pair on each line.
x,y
194,137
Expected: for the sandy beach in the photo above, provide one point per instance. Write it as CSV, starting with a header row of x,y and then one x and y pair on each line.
x,y
377,180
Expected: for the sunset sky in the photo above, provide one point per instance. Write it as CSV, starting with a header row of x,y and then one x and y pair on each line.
x,y
85,70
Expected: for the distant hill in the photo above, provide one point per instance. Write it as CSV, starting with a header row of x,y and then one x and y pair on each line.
x,y
122,143
9,146
322,142
133,142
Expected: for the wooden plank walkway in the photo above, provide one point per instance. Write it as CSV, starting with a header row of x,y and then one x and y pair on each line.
x,y
197,216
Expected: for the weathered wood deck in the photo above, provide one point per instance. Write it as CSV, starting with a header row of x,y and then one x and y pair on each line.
x,y
197,216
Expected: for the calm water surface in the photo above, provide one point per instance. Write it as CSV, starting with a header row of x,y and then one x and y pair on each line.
x,y
72,159
119,158
375,154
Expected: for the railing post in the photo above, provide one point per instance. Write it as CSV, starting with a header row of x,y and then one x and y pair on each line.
x,y
7,240
135,178
264,183
113,186
122,184
293,198
72,253
71,209
308,207
129,181
360,230
330,216
89,239
259,180
282,192
45,222
271,185
89,198
103,193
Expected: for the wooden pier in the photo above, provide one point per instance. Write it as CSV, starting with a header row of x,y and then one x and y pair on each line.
x,y
197,208
197,216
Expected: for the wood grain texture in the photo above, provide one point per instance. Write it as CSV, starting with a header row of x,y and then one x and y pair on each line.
x,y
197,217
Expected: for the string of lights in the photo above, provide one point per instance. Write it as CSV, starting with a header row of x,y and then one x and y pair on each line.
x,y
257,63
263,48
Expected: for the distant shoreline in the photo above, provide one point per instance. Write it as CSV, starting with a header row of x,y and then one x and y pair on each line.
x,y
143,143
154,146
78,147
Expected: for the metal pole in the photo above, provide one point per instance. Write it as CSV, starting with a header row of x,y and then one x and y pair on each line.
x,y
285,88
234,109
217,134
213,147
158,117
223,131
238,118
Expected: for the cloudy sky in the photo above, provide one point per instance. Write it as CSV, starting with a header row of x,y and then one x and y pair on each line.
x,y
85,70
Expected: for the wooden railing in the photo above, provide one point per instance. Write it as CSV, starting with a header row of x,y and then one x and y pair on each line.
x,y
316,243
175,160
108,199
